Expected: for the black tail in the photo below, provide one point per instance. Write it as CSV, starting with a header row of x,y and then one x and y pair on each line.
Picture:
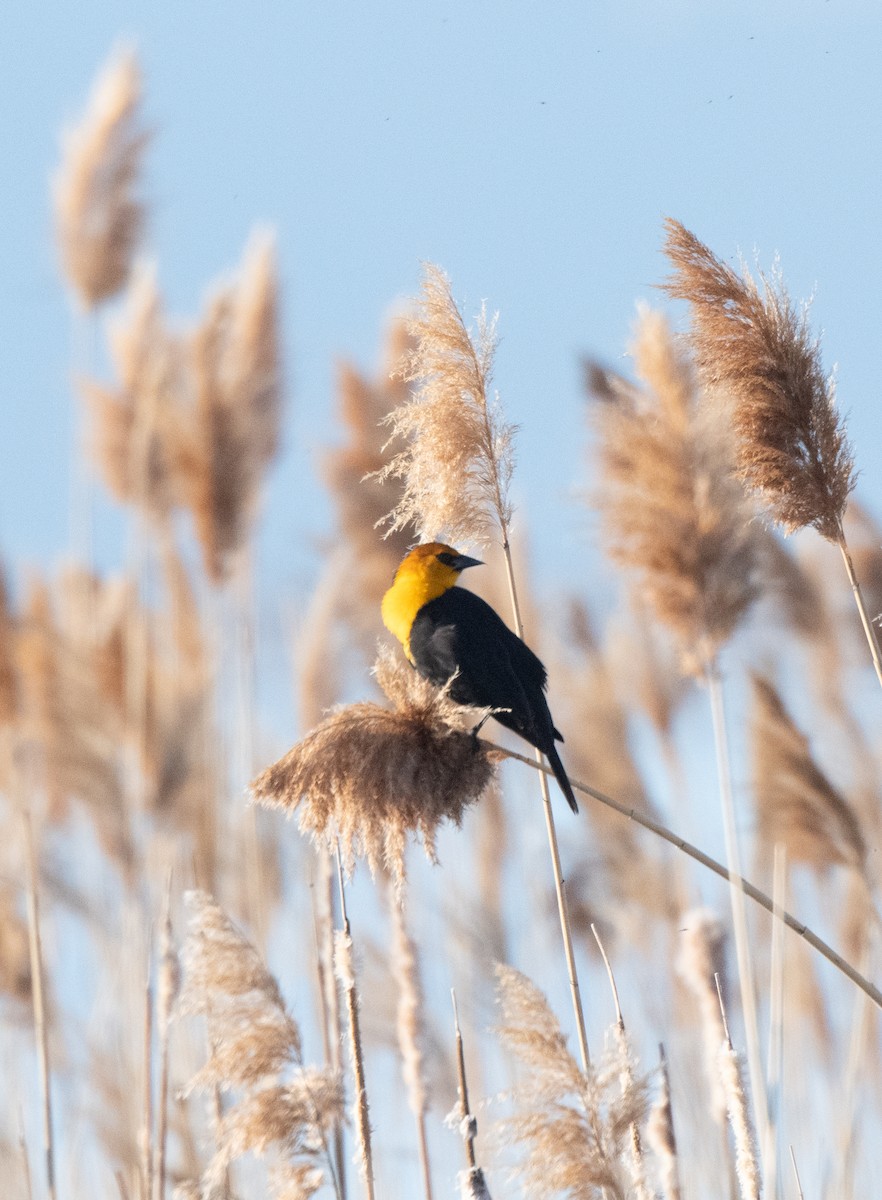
x,y
561,776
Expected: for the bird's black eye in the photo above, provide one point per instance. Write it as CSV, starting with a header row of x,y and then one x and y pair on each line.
x,y
449,560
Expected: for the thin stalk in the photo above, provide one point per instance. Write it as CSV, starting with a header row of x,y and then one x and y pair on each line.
x,y
405,972
749,889
39,1002
168,984
362,1112
25,1158
799,1190
147,1130
775,1056
329,1002
739,909
872,640
559,882
469,1126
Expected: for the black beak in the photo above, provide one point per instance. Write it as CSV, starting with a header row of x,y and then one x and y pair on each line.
x,y
462,561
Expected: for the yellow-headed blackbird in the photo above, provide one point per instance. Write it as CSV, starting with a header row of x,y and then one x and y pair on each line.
x,y
451,635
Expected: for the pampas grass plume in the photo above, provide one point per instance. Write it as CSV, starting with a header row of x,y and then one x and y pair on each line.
x,y
99,218
457,462
370,776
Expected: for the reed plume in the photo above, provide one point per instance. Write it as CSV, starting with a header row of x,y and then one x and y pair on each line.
x,y
797,806
71,731
253,1039
229,436
756,350
700,962
572,1126
134,420
457,462
371,775
732,1079
753,346
98,214
671,513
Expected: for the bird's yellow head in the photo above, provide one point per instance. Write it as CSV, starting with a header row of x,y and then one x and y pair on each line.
x,y
426,572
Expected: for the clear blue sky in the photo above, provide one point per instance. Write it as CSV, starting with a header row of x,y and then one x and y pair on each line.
x,y
530,149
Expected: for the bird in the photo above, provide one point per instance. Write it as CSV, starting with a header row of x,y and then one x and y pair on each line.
x,y
454,638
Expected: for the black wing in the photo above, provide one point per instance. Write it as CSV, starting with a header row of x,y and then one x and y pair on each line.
x,y
458,634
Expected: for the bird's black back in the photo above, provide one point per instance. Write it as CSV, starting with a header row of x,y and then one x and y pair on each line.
x,y
458,634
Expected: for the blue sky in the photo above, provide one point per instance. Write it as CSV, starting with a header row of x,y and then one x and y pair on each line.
x,y
531,150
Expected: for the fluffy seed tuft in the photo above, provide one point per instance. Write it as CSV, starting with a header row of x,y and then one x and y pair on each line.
x,y
370,776
753,346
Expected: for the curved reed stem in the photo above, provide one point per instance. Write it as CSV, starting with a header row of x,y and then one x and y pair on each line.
x,y
756,894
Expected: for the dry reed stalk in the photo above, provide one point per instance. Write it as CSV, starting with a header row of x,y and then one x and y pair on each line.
x,y
167,994
370,776
409,1025
471,1181
146,1132
660,1134
743,956
99,217
571,1125
797,806
329,996
41,1030
753,346
559,885
731,1077
344,967
230,435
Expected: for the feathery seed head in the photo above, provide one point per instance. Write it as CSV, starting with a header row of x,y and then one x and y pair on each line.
x,y
230,435
796,803
672,513
701,958
99,218
457,463
134,423
753,346
252,1034
370,776
572,1126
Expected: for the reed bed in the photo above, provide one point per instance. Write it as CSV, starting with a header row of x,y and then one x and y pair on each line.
x,y
202,999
